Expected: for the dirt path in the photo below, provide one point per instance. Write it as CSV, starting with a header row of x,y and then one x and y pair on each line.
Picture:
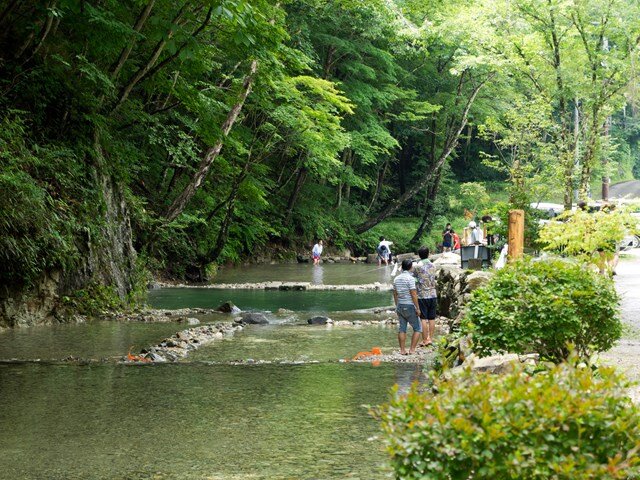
x,y
626,354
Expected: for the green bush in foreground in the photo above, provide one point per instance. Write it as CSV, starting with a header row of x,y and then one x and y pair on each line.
x,y
566,423
542,306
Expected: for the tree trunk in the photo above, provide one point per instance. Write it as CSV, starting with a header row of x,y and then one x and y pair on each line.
x,y
293,198
179,204
427,217
381,174
126,51
157,51
449,145
605,165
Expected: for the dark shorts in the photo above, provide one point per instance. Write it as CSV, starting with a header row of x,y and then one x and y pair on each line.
x,y
428,308
446,244
407,315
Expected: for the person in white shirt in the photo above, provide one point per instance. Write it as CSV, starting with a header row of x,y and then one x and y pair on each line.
x,y
316,252
384,251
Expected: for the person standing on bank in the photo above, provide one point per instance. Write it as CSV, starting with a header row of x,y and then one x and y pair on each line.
x,y
405,297
316,252
447,238
425,273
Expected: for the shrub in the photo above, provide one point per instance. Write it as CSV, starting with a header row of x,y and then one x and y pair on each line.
x,y
567,423
580,234
542,306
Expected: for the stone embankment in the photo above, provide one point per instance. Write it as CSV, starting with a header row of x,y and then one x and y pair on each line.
x,y
286,286
179,345
181,315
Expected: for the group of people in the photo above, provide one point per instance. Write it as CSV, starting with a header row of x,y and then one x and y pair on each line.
x,y
414,293
415,297
450,239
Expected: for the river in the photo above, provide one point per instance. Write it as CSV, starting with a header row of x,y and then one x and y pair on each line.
x,y
271,402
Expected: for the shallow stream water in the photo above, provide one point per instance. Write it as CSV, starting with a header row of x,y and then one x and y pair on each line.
x,y
324,274
218,414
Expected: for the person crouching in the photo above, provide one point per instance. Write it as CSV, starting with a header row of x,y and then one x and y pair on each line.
x,y
405,297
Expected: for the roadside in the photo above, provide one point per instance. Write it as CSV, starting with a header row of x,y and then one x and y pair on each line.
x,y
626,354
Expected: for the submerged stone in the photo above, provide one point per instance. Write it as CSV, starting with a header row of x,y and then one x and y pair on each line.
x,y
318,320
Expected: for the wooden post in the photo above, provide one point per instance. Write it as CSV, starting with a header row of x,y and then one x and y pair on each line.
x,y
516,234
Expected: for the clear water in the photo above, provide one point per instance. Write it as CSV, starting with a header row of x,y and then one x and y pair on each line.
x,y
193,421
204,417
318,301
93,340
325,274
298,343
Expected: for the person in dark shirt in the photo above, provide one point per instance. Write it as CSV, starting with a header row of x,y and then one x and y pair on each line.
x,y
447,238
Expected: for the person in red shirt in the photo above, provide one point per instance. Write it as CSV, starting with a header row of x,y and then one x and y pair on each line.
x,y
456,240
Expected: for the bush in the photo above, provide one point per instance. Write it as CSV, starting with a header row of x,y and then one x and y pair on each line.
x,y
580,234
565,424
542,306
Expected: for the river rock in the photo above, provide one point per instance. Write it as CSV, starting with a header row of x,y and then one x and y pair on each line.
x,y
228,307
318,320
493,364
154,357
477,279
254,318
303,258
372,258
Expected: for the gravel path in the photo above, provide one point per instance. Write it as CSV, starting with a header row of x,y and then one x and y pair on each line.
x,y
626,354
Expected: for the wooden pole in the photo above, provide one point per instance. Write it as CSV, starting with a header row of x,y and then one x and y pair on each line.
x,y
516,234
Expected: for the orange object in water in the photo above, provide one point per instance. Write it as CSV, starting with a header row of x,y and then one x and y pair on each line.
x,y
374,351
136,358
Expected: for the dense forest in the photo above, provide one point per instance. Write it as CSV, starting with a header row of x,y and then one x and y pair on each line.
x,y
170,137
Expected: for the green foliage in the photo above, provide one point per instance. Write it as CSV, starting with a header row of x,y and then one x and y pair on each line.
x,y
500,213
93,300
581,234
566,423
39,193
351,105
542,307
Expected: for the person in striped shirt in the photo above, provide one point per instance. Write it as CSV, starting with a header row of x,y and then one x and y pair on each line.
x,y
405,297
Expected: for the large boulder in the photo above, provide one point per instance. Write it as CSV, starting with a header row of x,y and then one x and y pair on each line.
x,y
403,256
254,318
372,258
228,307
319,320
493,364
448,258
476,280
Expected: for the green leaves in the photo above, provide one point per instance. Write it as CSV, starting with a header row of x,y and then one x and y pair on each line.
x,y
543,306
566,423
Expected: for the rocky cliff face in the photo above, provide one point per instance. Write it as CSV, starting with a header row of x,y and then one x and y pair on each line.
x,y
108,259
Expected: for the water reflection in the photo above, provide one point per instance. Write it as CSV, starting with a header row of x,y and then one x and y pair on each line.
x,y
332,273
408,375
259,422
318,275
